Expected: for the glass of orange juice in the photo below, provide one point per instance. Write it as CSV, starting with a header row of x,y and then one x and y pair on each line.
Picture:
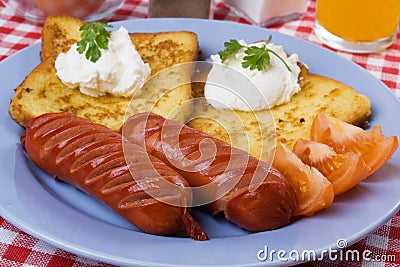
x,y
359,26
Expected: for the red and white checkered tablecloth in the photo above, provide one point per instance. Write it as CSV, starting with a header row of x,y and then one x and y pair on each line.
x,y
20,249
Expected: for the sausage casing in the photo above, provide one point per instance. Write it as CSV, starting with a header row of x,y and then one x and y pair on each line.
x,y
92,158
252,194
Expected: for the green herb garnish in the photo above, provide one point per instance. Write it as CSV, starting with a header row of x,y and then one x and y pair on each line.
x,y
96,36
256,57
231,48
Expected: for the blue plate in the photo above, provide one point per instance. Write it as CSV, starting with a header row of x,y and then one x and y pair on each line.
x,y
65,217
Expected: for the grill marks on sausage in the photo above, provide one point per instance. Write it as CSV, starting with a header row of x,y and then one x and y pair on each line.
x,y
96,156
124,176
82,141
250,192
205,162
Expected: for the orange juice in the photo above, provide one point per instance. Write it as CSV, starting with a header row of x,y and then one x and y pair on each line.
x,y
359,20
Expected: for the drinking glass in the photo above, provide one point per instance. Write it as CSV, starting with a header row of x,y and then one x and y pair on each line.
x,y
87,10
360,26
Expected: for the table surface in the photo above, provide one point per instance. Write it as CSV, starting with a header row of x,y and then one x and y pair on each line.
x,y
20,249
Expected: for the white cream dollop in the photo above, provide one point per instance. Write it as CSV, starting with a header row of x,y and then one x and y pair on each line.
x,y
120,70
258,90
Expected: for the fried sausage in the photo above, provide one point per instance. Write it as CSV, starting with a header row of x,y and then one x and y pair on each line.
x,y
250,193
92,158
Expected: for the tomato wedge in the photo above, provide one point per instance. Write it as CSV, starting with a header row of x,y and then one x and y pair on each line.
x,y
344,171
372,146
313,191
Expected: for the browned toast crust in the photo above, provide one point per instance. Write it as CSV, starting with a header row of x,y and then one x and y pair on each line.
x,y
290,121
42,91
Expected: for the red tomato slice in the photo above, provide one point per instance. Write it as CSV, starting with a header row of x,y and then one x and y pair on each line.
x,y
372,146
344,171
313,191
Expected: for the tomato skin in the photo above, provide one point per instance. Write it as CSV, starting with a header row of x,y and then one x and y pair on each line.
x,y
75,8
344,171
314,192
372,146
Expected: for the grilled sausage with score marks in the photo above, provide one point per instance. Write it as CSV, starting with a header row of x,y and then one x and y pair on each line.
x,y
94,159
250,193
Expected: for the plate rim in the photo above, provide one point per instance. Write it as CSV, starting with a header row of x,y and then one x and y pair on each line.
x,y
78,251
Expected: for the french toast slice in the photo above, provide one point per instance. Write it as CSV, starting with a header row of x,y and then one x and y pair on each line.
x,y
58,34
42,91
285,123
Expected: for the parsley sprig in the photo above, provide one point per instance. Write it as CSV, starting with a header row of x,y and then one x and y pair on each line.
x,y
94,35
256,57
231,48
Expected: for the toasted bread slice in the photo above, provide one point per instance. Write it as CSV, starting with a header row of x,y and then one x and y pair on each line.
x,y
285,123
58,34
42,91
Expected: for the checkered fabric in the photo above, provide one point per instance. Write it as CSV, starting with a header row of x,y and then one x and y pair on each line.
x,y
18,249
